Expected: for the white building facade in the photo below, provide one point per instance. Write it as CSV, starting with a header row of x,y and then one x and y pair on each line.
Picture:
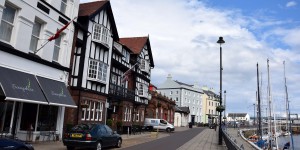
x,y
185,96
34,75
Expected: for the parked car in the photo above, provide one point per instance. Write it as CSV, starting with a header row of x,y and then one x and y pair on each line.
x,y
14,144
95,136
160,124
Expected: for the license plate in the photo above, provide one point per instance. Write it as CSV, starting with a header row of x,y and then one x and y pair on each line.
x,y
76,135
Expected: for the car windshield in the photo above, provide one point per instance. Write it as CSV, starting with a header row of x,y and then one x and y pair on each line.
x,y
83,127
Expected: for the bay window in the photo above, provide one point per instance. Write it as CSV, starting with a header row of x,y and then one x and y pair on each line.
x,y
101,34
97,70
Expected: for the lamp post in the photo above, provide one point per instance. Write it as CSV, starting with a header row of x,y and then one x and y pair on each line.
x,y
225,118
254,114
220,41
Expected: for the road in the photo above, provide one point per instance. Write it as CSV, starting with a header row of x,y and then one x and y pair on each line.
x,y
174,141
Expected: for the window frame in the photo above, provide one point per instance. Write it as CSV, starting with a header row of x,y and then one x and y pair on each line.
x,y
11,24
142,90
63,6
144,65
57,47
101,34
100,68
37,37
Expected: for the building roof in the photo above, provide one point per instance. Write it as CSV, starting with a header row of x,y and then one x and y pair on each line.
x,y
93,8
87,9
237,114
135,44
210,93
182,109
183,83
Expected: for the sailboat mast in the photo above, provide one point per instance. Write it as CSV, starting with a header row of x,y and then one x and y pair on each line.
x,y
269,106
288,109
258,106
286,97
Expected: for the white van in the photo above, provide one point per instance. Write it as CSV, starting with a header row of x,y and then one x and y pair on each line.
x,y
159,124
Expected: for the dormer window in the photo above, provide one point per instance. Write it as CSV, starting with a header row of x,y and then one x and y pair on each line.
x,y
101,35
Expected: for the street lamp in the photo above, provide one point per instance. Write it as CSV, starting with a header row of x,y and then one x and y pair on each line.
x,y
220,41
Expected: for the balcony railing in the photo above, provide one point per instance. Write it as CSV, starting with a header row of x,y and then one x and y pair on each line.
x,y
119,92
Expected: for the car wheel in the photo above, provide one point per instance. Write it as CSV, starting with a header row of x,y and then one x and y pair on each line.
x,y
70,148
99,146
168,130
119,143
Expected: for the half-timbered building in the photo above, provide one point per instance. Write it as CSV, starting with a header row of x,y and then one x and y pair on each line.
x,y
91,62
137,80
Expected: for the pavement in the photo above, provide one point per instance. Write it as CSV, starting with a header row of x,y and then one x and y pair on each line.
x,y
207,139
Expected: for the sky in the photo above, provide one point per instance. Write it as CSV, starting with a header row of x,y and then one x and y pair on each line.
x,y
183,36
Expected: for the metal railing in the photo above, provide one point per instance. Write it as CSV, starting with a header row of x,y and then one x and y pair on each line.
x,y
230,142
121,92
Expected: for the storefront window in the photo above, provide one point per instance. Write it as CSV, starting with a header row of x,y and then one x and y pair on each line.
x,y
47,118
28,116
6,108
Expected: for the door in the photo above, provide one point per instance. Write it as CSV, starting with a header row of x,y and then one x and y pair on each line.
x,y
193,119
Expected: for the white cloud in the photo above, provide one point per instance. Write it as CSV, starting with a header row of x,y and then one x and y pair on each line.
x,y
183,37
291,4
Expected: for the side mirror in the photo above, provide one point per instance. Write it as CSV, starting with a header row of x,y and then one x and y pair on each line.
x,y
115,132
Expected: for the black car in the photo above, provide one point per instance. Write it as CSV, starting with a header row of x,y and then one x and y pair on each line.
x,y
14,144
94,136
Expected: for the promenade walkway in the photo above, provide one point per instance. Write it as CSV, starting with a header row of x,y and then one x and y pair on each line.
x,y
206,140
233,132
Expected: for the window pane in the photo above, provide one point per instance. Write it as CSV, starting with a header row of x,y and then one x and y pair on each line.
x,y
35,35
6,108
56,53
56,48
92,73
5,31
47,118
63,6
9,14
33,43
28,116
36,29
104,72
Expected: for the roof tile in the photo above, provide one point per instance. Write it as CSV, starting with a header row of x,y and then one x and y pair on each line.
x,y
87,9
135,44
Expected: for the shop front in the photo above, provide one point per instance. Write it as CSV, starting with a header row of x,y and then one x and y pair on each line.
x,y
32,107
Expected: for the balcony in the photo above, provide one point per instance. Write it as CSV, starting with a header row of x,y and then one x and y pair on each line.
x,y
120,93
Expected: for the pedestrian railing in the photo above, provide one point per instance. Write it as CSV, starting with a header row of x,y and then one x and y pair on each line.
x,y
231,142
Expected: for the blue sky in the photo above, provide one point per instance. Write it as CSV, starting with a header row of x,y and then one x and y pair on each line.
x,y
183,35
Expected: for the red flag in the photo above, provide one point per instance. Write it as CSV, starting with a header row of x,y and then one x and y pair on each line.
x,y
57,34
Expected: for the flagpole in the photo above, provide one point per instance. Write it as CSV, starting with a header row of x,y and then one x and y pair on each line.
x,y
43,45
56,35
129,69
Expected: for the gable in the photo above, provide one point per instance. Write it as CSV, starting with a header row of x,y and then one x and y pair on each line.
x,y
99,12
139,45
